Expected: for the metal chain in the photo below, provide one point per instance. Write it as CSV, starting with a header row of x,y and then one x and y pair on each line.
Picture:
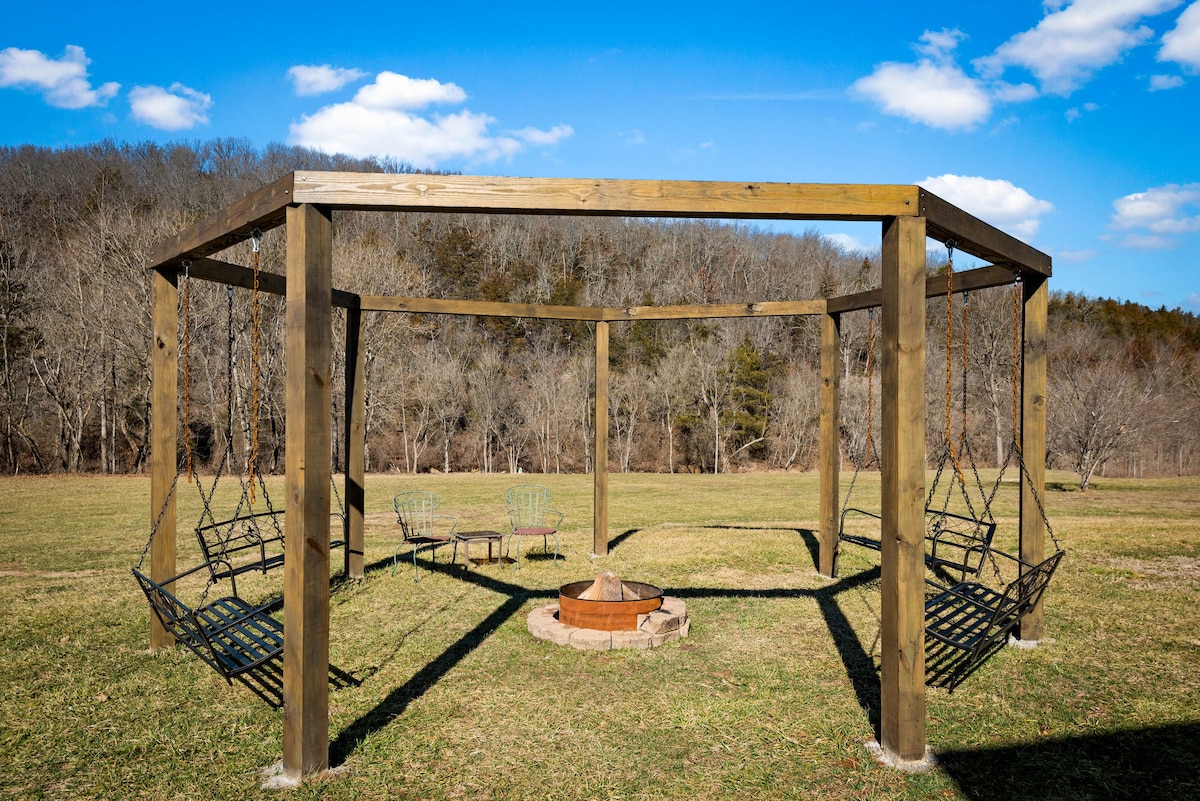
x,y
187,366
255,327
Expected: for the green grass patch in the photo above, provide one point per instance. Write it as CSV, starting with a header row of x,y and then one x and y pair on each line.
x,y
443,694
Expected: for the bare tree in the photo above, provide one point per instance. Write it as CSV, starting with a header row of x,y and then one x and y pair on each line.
x,y
1097,407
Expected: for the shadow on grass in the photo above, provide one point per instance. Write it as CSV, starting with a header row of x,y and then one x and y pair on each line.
x,y
427,677
860,667
1135,764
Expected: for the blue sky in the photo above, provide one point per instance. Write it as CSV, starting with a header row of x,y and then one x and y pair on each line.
x,y
1073,125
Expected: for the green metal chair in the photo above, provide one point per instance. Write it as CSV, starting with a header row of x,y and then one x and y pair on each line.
x,y
421,527
531,516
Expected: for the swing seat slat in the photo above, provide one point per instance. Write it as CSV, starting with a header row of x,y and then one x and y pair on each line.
x,y
230,635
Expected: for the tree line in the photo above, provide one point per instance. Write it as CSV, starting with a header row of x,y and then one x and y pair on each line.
x,y
489,394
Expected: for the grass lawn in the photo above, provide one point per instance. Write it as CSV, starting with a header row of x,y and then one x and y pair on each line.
x,y
441,693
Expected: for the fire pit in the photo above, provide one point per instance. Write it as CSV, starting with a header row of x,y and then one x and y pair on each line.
x,y
606,604
609,613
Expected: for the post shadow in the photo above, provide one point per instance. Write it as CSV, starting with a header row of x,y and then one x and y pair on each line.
x,y
1157,762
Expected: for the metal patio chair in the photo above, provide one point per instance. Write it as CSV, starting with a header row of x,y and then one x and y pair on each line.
x,y
422,529
531,516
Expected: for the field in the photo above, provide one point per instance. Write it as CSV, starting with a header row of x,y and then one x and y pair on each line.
x,y
439,692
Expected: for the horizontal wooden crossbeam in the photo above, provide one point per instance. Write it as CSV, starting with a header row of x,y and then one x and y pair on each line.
x,y
935,286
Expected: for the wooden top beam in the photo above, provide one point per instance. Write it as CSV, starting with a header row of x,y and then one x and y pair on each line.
x,y
935,286
476,194
946,223
264,210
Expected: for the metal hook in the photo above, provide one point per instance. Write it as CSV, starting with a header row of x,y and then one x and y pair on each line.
x,y
256,239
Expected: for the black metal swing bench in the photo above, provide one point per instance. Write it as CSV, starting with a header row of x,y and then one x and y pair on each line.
x,y
229,634
952,542
966,623
242,544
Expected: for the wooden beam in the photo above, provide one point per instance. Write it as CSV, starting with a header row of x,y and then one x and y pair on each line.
x,y
830,448
902,611
732,200
708,312
935,287
1033,440
164,420
309,447
223,272
970,234
355,446
600,461
264,210
478,308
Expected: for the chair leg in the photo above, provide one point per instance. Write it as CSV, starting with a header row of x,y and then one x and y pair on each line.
x,y
416,573
555,535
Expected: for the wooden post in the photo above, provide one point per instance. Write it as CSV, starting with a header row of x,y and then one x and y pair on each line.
x,y
600,462
309,447
164,419
1033,439
831,411
355,445
902,640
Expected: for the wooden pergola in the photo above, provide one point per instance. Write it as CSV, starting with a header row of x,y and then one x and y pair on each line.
x,y
304,202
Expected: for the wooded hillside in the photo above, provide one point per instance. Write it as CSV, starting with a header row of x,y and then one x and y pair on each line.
x,y
459,394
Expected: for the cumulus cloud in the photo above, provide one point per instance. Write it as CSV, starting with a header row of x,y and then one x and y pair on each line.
x,y
314,80
381,120
1182,45
1074,41
173,109
394,91
63,82
1002,204
939,95
935,91
1153,218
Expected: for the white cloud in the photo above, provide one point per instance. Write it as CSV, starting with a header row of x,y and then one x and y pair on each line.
x,y
936,94
172,109
1154,217
537,137
999,202
63,82
850,244
393,91
381,121
1193,301
312,80
1073,42
1182,44
938,45
1159,83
